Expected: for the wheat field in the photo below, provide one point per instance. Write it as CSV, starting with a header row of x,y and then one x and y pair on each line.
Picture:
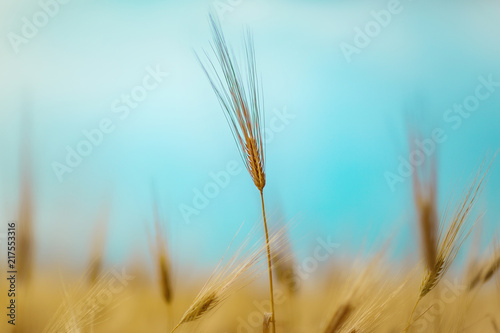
x,y
449,284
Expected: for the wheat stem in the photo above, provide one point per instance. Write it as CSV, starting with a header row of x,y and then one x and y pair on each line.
x,y
176,327
268,262
411,315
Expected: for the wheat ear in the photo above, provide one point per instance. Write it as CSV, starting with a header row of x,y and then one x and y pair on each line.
x,y
241,101
451,239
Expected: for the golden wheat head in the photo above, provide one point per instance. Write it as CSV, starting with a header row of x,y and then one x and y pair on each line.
x,y
457,231
240,99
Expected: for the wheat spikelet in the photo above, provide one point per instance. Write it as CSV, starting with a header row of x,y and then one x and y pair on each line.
x,y
240,99
201,306
432,277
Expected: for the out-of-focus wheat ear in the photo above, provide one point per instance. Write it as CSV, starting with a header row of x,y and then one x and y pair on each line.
x,y
24,255
492,268
475,274
25,237
95,268
494,324
475,280
164,271
425,197
162,259
284,268
284,263
165,282
339,318
98,246
486,271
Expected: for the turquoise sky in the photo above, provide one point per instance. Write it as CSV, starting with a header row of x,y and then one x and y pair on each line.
x,y
339,123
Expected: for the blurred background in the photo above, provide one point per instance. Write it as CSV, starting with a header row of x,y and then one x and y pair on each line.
x,y
343,82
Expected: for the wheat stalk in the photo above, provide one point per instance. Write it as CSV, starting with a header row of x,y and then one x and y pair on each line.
x,y
241,101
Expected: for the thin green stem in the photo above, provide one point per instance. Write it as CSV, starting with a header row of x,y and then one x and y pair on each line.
x,y
268,263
